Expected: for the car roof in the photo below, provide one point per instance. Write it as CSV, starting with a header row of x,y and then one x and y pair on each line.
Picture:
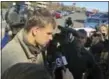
x,y
99,15
93,18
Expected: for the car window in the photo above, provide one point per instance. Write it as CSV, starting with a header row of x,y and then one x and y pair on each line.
x,y
104,16
96,15
92,20
103,21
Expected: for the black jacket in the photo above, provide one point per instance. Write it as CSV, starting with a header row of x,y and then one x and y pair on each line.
x,y
80,60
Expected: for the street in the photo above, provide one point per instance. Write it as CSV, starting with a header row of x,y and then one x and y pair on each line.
x,y
77,18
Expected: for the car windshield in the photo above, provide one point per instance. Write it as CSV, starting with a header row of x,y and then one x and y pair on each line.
x,y
92,20
96,15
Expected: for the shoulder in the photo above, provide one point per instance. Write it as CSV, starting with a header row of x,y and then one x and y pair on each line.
x,y
13,49
10,46
12,54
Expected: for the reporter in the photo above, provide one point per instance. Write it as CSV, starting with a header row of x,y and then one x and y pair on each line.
x,y
103,29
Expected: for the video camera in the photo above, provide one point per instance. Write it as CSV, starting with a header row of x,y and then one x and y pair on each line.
x,y
67,34
95,33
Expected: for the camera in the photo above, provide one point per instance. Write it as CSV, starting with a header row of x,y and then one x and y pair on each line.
x,y
96,34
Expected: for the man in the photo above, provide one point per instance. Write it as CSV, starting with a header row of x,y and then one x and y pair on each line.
x,y
68,22
14,20
26,11
82,36
30,41
92,71
80,61
26,71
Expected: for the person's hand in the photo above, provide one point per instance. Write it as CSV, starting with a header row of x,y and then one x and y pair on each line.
x,y
98,33
10,33
101,36
67,74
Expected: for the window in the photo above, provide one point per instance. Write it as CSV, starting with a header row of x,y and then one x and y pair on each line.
x,y
103,21
92,20
105,16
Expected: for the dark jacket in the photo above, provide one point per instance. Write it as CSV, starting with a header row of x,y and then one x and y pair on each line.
x,y
26,71
68,22
81,61
13,19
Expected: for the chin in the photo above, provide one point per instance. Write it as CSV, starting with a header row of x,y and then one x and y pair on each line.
x,y
44,45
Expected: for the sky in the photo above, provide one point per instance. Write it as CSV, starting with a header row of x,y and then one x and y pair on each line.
x,y
102,6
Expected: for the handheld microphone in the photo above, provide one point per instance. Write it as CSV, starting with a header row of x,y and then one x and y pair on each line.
x,y
61,61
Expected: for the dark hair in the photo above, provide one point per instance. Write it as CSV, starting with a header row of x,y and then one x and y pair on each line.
x,y
40,18
82,33
26,71
69,18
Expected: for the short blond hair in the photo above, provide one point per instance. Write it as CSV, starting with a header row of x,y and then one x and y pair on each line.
x,y
40,18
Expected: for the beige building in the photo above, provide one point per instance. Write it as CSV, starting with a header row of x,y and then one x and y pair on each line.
x,y
42,4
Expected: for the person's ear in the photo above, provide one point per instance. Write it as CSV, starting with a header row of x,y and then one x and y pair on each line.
x,y
35,30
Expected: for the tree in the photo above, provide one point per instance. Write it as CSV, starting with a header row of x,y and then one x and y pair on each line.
x,y
78,9
5,4
34,3
83,9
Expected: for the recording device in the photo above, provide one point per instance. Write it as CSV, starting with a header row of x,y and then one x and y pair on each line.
x,y
67,34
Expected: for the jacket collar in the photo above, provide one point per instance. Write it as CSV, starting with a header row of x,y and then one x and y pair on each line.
x,y
28,48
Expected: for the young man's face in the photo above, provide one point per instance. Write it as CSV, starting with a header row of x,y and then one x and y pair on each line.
x,y
83,40
44,35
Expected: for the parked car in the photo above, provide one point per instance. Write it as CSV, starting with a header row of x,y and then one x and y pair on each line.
x,y
107,22
88,13
61,12
69,12
73,11
100,15
64,13
58,15
93,22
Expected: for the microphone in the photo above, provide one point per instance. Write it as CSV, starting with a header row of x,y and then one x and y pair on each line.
x,y
61,61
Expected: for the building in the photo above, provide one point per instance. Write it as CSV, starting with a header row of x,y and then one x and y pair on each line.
x,y
42,4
